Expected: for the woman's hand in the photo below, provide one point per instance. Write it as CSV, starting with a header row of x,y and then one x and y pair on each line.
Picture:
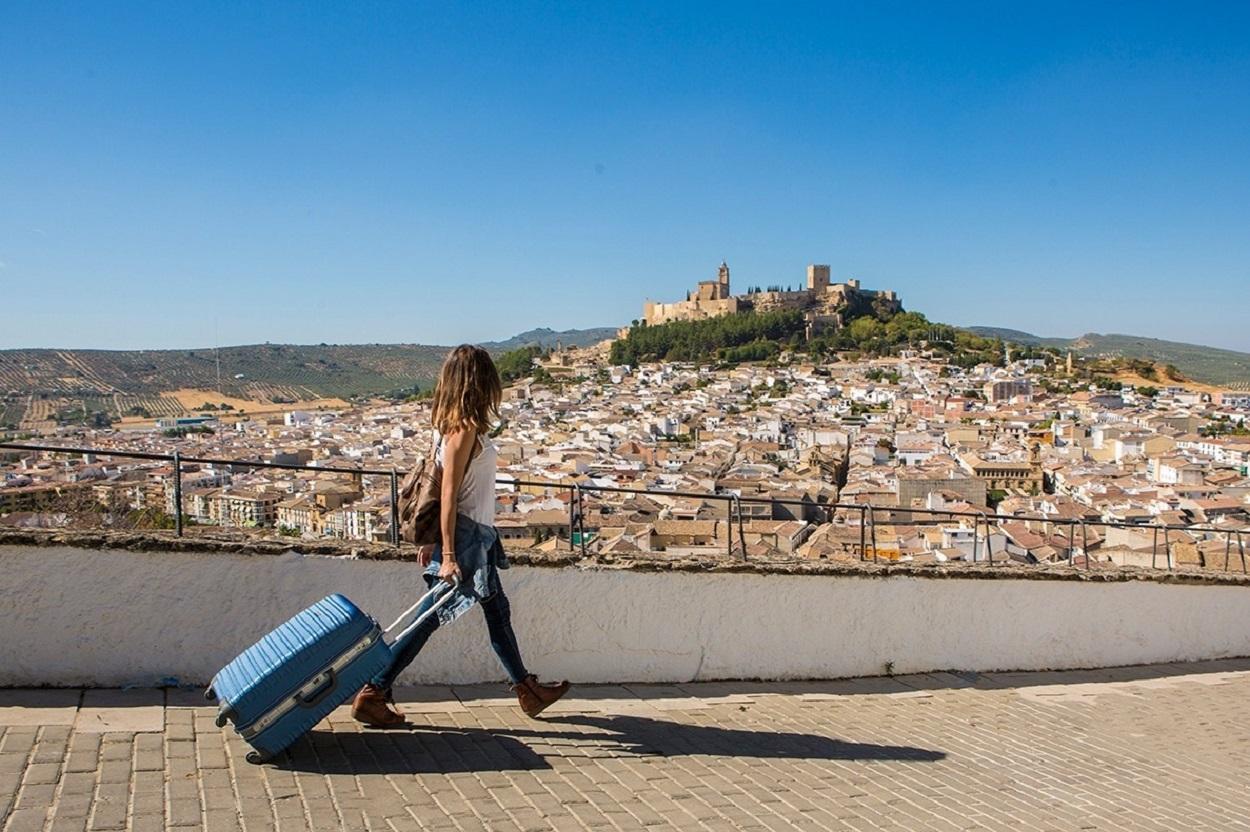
x,y
425,554
449,571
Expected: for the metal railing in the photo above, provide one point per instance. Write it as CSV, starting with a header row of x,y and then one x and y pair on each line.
x,y
735,517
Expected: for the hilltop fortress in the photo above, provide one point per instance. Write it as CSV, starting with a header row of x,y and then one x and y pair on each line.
x,y
823,304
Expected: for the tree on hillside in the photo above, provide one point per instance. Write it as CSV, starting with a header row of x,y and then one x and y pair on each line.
x,y
518,363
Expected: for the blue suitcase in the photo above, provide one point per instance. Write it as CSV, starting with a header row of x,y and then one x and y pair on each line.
x,y
284,684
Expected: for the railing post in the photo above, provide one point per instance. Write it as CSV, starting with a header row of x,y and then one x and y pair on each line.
x,y
394,507
976,539
1167,547
177,494
742,537
1154,549
1085,542
735,516
1071,542
572,497
580,518
1241,550
863,532
1228,547
989,540
873,518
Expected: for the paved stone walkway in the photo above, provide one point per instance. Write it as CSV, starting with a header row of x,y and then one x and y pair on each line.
x,y
1155,748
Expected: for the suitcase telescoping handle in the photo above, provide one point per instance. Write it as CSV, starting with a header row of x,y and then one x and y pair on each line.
x,y
439,586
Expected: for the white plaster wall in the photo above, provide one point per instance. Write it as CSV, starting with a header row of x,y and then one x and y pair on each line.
x,y
80,617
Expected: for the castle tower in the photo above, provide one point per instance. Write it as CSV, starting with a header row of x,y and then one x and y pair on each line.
x,y
722,278
817,278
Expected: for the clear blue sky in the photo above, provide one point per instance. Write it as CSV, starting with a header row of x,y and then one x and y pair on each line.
x,y
174,174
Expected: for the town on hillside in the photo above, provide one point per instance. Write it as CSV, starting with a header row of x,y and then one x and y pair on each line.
x,y
909,456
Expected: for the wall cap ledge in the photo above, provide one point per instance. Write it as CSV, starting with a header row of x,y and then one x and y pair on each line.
x,y
260,545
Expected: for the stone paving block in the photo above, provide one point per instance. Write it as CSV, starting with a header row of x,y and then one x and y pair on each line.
x,y
17,741
51,744
593,698
42,774
485,696
71,811
111,803
192,697
26,820
77,783
183,811
38,706
729,688
128,711
427,700
66,823
147,823
35,796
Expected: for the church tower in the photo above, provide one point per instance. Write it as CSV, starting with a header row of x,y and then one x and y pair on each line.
x,y
722,279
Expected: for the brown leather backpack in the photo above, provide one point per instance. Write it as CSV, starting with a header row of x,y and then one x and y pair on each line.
x,y
420,495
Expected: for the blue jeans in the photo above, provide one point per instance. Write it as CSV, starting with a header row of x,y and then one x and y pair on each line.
x,y
498,614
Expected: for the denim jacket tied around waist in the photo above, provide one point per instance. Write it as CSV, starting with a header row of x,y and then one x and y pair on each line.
x,y
479,553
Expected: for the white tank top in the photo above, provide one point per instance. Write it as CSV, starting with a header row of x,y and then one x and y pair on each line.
x,y
476,499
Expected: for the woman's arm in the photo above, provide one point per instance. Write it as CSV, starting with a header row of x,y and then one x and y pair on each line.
x,y
457,447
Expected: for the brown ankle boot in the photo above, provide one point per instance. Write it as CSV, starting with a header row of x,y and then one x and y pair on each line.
x,y
534,697
373,709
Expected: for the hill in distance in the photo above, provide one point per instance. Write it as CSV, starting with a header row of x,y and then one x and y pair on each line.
x,y
47,386
1210,365
549,338
38,386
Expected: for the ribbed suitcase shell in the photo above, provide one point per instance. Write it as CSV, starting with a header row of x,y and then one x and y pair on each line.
x,y
287,659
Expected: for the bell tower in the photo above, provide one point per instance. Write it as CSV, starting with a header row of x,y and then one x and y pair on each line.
x,y
722,280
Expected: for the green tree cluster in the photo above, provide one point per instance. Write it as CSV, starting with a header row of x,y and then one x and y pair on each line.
x,y
518,363
187,430
720,337
875,329
890,376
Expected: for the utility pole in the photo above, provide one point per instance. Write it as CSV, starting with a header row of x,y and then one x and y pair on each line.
x,y
217,354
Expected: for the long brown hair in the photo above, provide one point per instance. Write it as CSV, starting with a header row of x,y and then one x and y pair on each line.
x,y
468,393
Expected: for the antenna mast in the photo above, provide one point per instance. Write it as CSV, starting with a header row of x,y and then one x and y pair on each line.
x,y
217,355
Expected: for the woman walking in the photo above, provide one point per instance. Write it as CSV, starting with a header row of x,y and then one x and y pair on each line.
x,y
466,403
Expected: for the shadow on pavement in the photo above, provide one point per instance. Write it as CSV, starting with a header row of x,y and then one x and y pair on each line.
x,y
958,680
410,750
425,750
645,736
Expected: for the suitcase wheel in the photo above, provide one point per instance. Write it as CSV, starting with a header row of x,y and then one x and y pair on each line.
x,y
256,758
210,694
220,721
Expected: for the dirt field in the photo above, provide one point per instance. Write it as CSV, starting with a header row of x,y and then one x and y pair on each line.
x,y
194,399
1163,381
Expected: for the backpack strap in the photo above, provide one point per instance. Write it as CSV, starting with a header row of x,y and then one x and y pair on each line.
x,y
436,442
